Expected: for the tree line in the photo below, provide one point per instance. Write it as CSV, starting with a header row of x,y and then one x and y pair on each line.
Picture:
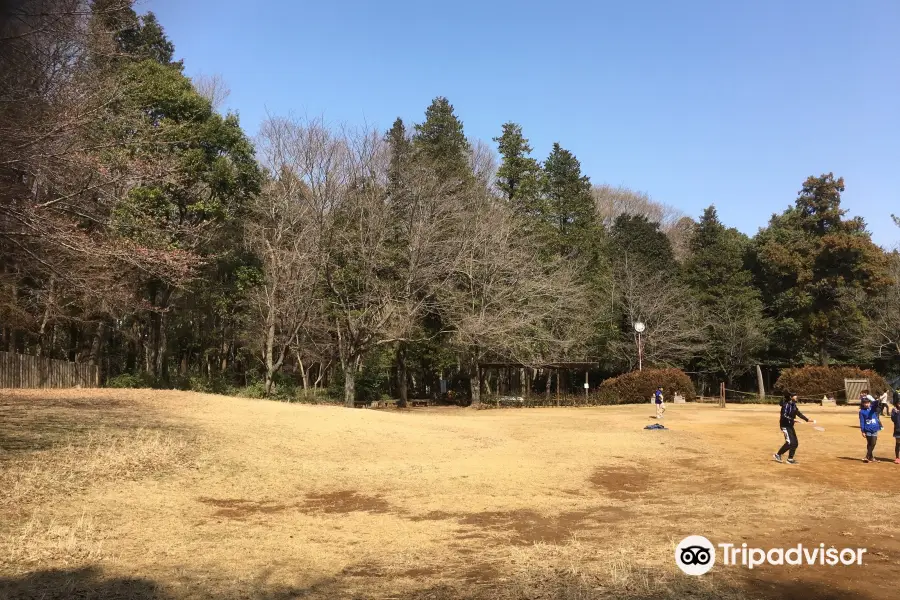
x,y
144,231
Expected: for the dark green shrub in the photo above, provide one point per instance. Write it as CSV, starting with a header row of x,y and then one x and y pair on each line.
x,y
132,380
814,382
638,386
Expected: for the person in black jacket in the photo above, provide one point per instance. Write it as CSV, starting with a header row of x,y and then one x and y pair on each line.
x,y
789,413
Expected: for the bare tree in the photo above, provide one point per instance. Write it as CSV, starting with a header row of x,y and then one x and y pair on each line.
x,y
212,87
674,329
884,313
284,230
612,201
679,235
363,307
735,335
484,164
502,302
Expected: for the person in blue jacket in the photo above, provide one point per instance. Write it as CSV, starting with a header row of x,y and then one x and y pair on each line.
x,y
789,414
895,418
869,423
660,406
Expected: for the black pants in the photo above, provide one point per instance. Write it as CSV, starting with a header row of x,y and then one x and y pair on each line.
x,y
790,441
871,440
897,448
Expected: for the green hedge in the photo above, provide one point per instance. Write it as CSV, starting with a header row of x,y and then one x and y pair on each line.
x,y
815,382
638,386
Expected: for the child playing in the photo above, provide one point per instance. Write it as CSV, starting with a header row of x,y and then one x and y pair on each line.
x,y
660,407
789,413
895,417
869,423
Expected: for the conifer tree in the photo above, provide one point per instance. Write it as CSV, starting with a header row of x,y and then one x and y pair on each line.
x,y
441,142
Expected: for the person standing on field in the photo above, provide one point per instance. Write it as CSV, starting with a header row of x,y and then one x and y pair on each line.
x,y
660,405
895,418
789,414
869,423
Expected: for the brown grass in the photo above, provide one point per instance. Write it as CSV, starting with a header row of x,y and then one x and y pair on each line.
x,y
138,494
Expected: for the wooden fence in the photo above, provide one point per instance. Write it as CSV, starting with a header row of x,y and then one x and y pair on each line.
x,y
25,371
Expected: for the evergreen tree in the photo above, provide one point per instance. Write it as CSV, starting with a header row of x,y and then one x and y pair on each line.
x,y
813,266
198,171
568,205
715,266
642,243
441,142
400,147
519,175
135,37
735,328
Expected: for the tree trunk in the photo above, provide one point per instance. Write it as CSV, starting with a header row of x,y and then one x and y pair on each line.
x,y
304,374
223,360
270,356
97,343
548,384
350,370
475,385
74,341
45,319
759,383
162,348
557,387
321,371
824,359
402,391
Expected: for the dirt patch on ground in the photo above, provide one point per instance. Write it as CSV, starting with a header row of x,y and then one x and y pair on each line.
x,y
621,483
235,508
345,501
481,574
527,527
435,515
841,582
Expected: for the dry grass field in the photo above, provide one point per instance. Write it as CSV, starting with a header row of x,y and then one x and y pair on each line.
x,y
113,494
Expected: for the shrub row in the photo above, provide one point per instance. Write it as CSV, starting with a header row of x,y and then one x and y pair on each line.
x,y
285,389
815,382
639,386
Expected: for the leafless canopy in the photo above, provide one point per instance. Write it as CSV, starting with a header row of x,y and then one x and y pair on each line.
x,y
212,87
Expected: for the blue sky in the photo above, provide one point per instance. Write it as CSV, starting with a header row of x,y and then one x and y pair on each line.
x,y
694,102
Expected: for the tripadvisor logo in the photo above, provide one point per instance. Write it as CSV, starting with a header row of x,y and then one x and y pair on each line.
x,y
696,555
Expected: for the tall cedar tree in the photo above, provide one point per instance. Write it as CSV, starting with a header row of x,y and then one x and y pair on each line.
x,y
814,267
715,267
440,141
643,244
735,328
568,205
206,164
519,175
401,151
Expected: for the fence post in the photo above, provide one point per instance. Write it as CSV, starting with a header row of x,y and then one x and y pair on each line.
x,y
722,397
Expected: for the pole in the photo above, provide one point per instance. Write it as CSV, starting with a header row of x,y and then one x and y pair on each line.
x,y
640,353
722,398
586,386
